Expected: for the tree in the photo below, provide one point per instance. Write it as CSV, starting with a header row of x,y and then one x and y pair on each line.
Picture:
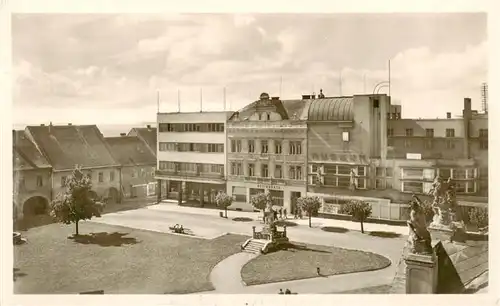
x,y
310,205
223,201
358,210
76,203
479,217
259,201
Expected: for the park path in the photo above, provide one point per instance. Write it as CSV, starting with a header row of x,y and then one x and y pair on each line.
x,y
226,275
226,278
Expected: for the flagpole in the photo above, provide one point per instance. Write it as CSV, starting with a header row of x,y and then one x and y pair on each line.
x,y
158,101
178,101
224,98
201,100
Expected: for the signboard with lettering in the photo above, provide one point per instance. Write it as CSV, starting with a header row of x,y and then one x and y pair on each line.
x,y
275,187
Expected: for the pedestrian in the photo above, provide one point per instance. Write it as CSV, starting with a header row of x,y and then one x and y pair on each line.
x,y
318,271
281,213
287,291
281,291
300,214
284,213
275,214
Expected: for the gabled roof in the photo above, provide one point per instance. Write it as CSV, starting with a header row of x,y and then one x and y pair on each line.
x,y
147,134
288,109
130,151
68,145
25,154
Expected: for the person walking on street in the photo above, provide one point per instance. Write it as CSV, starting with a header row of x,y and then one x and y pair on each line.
x,y
281,213
284,213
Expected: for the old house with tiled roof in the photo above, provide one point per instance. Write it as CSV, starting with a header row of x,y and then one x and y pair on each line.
x,y
67,146
31,178
138,165
148,135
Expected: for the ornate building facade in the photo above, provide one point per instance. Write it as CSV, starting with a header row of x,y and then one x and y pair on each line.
x,y
267,142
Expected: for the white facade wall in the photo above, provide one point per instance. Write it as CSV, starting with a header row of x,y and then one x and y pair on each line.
x,y
193,137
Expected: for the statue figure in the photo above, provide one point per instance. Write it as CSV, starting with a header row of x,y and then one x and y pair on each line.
x,y
444,203
352,181
269,208
419,239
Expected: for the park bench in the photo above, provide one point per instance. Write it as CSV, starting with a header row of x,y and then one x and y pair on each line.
x,y
178,229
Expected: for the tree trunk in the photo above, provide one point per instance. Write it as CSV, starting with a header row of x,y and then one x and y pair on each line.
x,y
309,219
76,224
362,229
264,216
226,211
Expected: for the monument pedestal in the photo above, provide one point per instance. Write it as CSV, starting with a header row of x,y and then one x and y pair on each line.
x,y
451,233
421,273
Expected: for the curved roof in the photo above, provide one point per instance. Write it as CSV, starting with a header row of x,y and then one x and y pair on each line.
x,y
331,109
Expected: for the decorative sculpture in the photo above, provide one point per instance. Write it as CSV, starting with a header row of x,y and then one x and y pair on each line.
x,y
352,181
444,203
269,208
419,239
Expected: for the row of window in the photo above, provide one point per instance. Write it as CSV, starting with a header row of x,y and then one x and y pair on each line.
x,y
191,167
294,172
39,181
191,147
338,169
429,144
191,127
294,147
429,174
429,133
100,177
425,187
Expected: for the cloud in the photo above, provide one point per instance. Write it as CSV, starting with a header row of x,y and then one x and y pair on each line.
x,y
120,61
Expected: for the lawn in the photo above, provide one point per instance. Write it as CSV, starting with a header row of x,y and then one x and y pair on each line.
x,y
116,260
301,262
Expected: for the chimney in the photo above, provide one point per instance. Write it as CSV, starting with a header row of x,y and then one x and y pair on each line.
x,y
448,115
275,98
467,114
306,97
467,104
70,123
42,124
149,127
123,134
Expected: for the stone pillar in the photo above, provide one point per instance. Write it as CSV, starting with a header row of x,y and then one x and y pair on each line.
x,y
202,195
421,273
158,191
180,191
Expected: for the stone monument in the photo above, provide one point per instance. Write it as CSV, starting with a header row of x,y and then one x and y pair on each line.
x,y
269,208
447,221
421,260
419,238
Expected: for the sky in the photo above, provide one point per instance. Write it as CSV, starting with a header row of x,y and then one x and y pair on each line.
x,y
109,69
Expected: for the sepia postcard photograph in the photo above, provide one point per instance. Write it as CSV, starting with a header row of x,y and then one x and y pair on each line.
x,y
247,153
